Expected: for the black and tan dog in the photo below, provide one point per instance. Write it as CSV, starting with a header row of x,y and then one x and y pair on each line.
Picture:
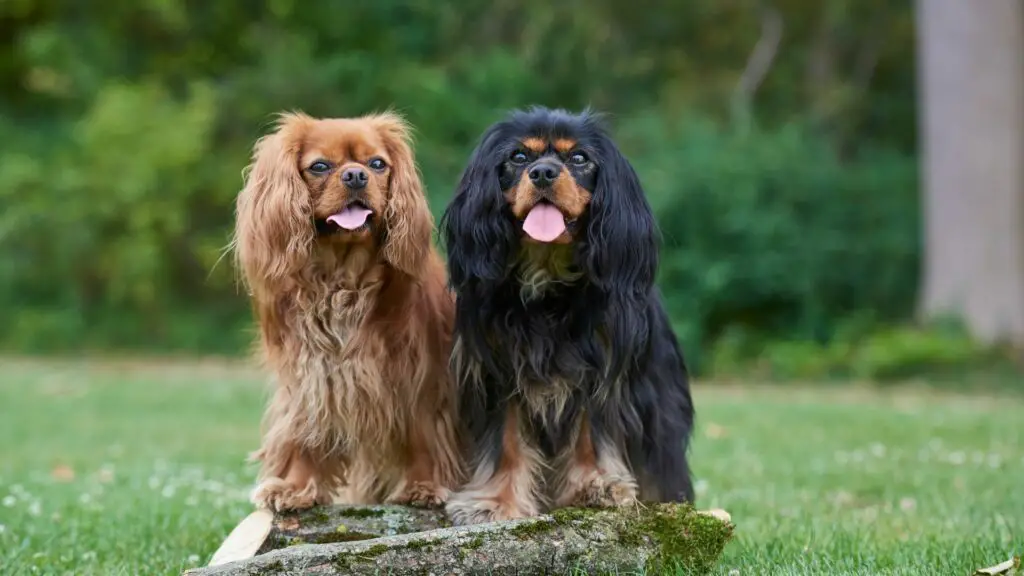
x,y
573,388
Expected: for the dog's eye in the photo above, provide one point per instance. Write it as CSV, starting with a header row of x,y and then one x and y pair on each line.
x,y
519,157
319,167
578,158
378,164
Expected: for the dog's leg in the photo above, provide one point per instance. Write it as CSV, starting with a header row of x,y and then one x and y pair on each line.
x,y
290,478
593,474
430,461
507,477
431,469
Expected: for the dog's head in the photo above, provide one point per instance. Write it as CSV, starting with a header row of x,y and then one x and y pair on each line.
x,y
338,181
551,177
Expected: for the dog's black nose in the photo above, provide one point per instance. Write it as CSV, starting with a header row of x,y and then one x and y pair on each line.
x,y
354,178
543,174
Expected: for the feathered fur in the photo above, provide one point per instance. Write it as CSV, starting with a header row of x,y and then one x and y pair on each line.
x,y
355,325
573,386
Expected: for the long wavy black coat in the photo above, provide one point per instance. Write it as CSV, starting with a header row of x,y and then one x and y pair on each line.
x,y
581,351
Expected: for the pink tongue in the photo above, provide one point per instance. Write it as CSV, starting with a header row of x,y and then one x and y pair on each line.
x,y
351,218
544,223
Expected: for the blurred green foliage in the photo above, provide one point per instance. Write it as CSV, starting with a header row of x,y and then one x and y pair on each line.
x,y
125,126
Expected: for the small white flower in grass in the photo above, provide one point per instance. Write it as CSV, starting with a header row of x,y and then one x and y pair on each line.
x,y
3,528
89,556
167,492
35,508
877,450
908,504
995,460
214,486
956,458
10,501
106,473
193,559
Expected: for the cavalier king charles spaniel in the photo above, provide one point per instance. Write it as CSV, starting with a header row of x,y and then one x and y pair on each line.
x,y
573,388
333,237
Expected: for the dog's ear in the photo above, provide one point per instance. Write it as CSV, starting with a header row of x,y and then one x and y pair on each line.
x,y
621,252
476,225
622,236
407,219
273,227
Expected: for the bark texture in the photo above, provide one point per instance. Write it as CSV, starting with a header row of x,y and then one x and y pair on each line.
x,y
971,80
333,524
652,538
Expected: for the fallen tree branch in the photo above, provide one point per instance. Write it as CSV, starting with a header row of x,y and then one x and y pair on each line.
x,y
651,538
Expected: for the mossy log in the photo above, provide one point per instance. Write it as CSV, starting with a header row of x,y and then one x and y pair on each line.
x,y
652,539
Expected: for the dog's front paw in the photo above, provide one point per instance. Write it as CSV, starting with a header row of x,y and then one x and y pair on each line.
x,y
464,510
603,493
421,495
278,495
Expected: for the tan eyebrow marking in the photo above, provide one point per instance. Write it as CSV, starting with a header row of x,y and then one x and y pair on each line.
x,y
536,145
564,145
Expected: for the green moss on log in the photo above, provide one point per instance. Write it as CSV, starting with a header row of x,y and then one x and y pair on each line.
x,y
361,513
531,528
346,536
682,537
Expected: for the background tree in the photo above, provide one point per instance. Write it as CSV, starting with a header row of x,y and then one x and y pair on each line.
x,y
972,138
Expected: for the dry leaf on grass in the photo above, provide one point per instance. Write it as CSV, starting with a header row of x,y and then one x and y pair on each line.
x,y
62,473
715,431
1009,568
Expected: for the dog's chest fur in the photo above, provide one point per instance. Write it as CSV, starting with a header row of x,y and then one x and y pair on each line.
x,y
337,363
549,375
542,267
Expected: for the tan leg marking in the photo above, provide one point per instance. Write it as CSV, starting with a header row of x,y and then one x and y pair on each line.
x,y
592,477
511,489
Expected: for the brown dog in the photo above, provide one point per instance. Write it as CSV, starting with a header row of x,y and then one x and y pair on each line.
x,y
333,236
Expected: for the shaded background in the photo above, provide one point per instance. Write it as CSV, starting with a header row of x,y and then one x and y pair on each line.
x,y
778,143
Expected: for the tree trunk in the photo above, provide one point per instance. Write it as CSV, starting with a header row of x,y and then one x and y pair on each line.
x,y
971,83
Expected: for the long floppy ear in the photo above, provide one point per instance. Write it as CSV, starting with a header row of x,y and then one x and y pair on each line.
x,y
407,219
622,235
477,229
621,253
273,227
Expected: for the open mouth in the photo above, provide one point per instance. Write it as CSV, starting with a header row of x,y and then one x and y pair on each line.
x,y
544,222
352,218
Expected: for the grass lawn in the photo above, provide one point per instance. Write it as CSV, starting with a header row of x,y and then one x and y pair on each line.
x,y
133,468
